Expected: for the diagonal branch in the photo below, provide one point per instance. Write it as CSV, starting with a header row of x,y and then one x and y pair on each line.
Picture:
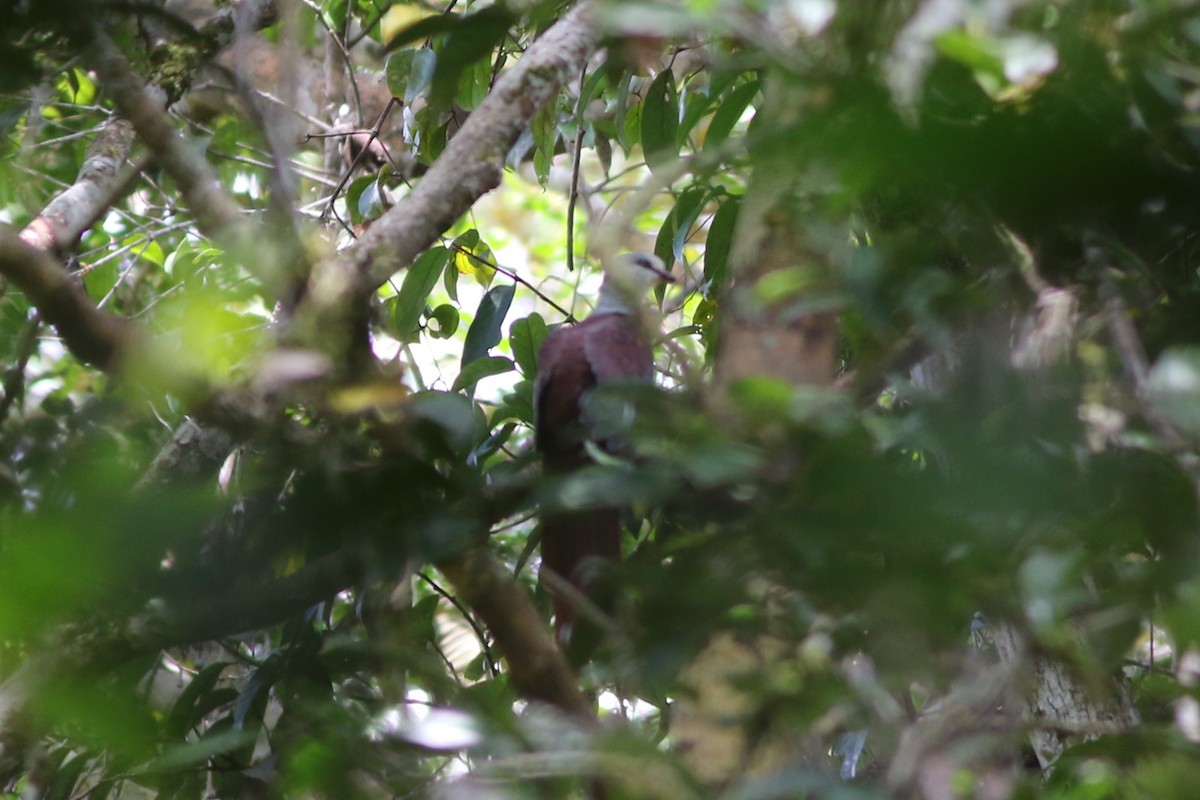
x,y
90,334
217,214
471,165
537,668
99,181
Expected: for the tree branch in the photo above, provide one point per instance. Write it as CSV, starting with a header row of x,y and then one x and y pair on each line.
x,y
217,214
537,667
90,334
470,166
93,191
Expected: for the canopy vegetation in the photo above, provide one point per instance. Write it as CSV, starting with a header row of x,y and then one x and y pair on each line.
x,y
911,509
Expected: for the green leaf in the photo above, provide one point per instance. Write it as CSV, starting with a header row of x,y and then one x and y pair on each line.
x,y
720,239
675,228
545,137
660,121
423,29
631,127
181,718
64,777
978,54
420,76
592,87
472,39
627,131
479,369
458,417
525,337
518,404
404,311
398,69
252,701
100,280
367,202
475,83
728,113
409,72
195,754
446,318
473,257
695,105
484,333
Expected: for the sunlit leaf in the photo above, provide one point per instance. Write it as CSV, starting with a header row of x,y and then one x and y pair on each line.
x,y
404,310
473,257
526,336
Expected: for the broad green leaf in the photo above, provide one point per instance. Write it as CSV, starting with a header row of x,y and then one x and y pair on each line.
x,y
399,69
660,121
479,369
518,404
252,701
675,228
196,754
484,333
695,105
627,131
442,322
974,52
717,246
525,337
592,87
472,39
146,249
398,20
404,311
545,137
457,416
181,717
420,75
100,280
631,128
728,113
475,83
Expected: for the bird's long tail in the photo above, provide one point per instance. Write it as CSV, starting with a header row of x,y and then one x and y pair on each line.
x,y
580,547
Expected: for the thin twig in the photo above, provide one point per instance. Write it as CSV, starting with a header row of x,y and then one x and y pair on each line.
x,y
573,195
361,154
493,668
14,381
516,279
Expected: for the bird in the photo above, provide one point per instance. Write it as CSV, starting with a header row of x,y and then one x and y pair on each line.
x,y
609,345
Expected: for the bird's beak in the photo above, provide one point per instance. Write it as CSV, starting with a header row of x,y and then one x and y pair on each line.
x,y
666,276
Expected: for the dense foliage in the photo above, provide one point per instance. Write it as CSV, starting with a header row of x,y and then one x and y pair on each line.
x,y
268,491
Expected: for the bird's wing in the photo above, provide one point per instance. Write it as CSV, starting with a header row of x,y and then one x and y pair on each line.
x,y
616,350
564,374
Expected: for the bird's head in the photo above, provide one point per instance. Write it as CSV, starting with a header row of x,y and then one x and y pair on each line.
x,y
635,273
